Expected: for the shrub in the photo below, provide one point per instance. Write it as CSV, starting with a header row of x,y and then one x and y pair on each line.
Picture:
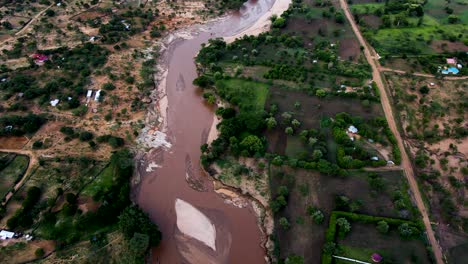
x,y
39,252
382,227
86,136
108,86
37,144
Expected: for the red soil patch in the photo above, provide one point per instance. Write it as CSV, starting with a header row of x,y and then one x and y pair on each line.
x,y
349,49
13,142
447,46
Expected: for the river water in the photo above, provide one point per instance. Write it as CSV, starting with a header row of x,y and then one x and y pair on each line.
x,y
188,121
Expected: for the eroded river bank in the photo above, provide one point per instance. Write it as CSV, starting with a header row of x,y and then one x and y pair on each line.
x,y
198,224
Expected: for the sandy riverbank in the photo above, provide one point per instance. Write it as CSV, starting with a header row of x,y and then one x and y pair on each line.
x,y
263,23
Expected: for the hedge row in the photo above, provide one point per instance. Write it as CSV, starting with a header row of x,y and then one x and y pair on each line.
x,y
330,234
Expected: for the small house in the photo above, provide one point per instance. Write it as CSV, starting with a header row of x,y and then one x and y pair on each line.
x,y
375,158
452,61
54,102
89,93
97,95
4,235
352,129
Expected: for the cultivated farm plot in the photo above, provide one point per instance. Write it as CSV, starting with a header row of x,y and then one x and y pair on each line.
x,y
311,112
364,240
12,173
310,188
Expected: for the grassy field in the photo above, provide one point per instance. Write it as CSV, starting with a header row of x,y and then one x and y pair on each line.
x,y
419,34
102,183
248,95
364,239
413,40
12,173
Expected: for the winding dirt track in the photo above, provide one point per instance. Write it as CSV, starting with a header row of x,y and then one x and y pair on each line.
x,y
405,161
32,161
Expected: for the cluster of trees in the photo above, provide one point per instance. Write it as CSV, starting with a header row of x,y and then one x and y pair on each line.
x,y
139,232
114,199
24,216
17,125
71,134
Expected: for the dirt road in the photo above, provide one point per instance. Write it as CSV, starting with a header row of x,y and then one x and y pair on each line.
x,y
405,161
451,78
32,162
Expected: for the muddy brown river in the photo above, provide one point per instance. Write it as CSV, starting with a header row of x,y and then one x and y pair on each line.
x,y
188,120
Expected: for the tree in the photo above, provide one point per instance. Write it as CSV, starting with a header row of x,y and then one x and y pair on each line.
x,y
318,217
405,230
108,86
453,19
344,226
133,220
37,144
297,105
271,122
317,154
382,227
320,93
295,123
312,141
252,144
289,130
424,90
286,116
294,259
284,223
279,23
283,190
85,136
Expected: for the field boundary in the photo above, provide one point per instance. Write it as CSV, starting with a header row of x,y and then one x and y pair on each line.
x,y
330,234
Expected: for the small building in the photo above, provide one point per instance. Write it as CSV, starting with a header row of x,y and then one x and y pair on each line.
x,y
375,158
54,102
4,235
452,61
97,95
352,129
459,66
90,92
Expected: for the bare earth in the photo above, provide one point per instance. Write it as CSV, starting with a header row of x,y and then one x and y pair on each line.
x,y
263,23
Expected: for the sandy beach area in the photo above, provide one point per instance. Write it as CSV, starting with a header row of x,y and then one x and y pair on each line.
x,y
263,23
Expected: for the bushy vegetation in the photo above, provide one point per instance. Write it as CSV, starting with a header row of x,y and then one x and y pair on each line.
x,y
16,125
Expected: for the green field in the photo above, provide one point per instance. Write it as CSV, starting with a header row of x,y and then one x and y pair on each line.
x,y
248,95
102,183
369,8
413,40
